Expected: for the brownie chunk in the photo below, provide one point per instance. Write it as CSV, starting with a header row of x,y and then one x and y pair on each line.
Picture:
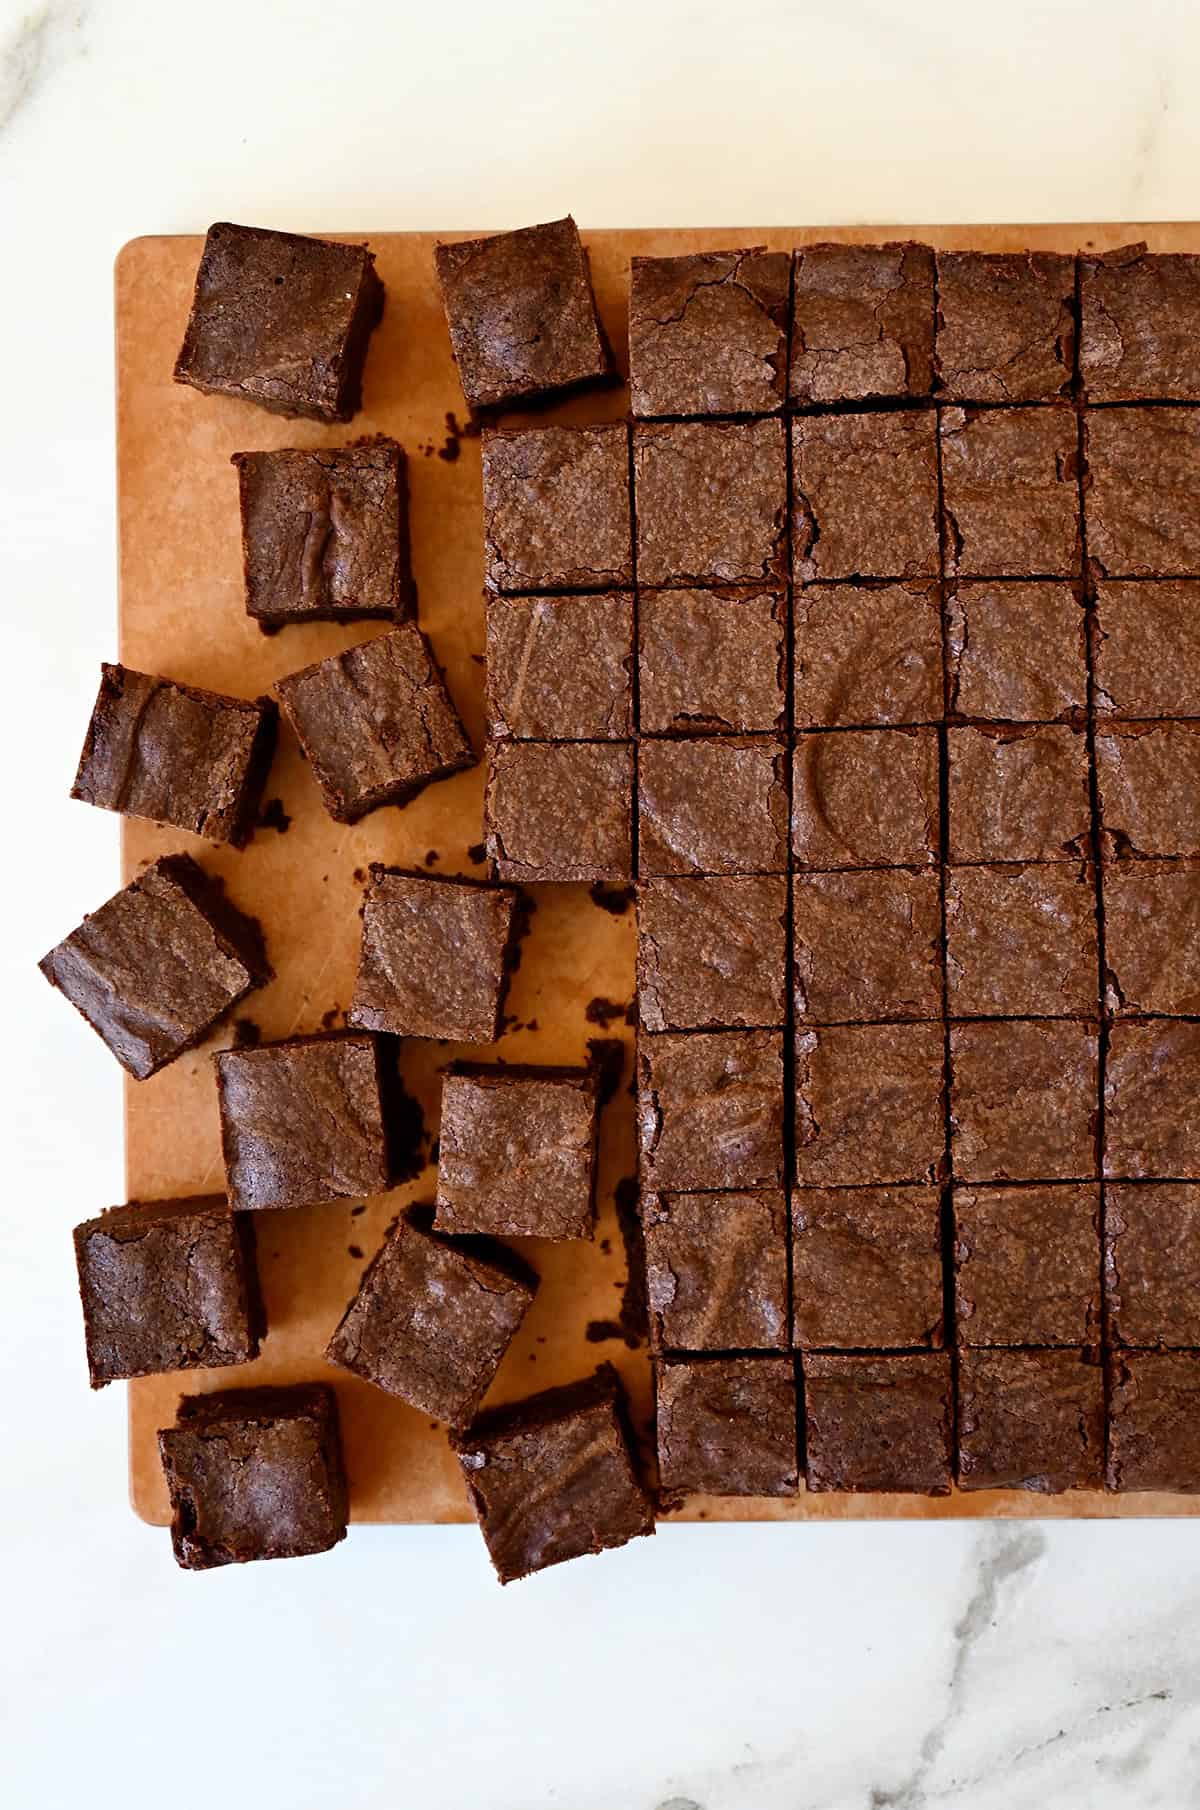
x,y
865,496
866,654
325,533
1030,1420
865,798
1027,1265
1149,782
302,1121
1010,481
1016,652
879,1423
553,1477
1147,648
711,662
1152,1099
159,964
1021,941
869,1105
281,320
560,812
432,1319
376,723
167,1285
1143,498
711,502
1019,794
866,947
521,314
194,759
1152,937
710,1110
435,958
518,1152
712,805
560,669
727,1426
1005,325
556,509
866,1267
862,324
1152,1264
716,1271
712,952
1024,1095
1140,325
708,333
255,1474
1154,1423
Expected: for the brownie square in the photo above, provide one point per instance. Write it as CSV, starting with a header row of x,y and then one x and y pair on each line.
x,y
866,1267
1015,652
1021,942
1010,485
1024,1097
1152,1099
1143,496
560,669
1140,324
302,1121
710,1110
1027,1265
521,314
281,320
712,805
1152,1264
1152,937
560,811
866,654
167,1285
1030,1420
432,1319
727,1426
708,333
517,1152
716,1271
1019,794
375,722
1005,325
866,947
711,662
194,759
865,496
869,1105
711,502
436,956
553,1477
862,325
255,1474
712,952
1154,1423
1147,648
865,798
325,533
159,964
879,1423
556,513
1148,777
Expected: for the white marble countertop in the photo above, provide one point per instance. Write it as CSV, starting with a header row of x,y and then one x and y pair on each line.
x,y
771,1668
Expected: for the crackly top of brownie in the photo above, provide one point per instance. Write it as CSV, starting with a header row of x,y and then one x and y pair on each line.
x,y
862,323
1148,775
1006,325
712,805
1015,651
1140,324
1143,492
711,502
560,668
1010,480
556,509
865,495
711,661
708,333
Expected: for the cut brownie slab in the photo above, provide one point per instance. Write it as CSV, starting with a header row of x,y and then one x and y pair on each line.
x,y
862,324
879,1423
866,1268
1024,1100
716,1271
1030,1420
866,655
1154,1422
711,502
1010,482
1152,1099
710,1110
712,952
715,804
708,333
1021,942
518,1152
1027,1265
556,513
1019,794
560,811
865,798
1147,648
1148,776
727,1426
1152,1262
869,1105
865,496
1016,652
711,662
1152,937
1140,324
866,947
1005,325
1143,496
560,669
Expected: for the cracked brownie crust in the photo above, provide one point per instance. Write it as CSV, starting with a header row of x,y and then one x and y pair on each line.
x,y
556,509
560,668
710,1110
713,805
865,496
707,333
711,662
863,323
1010,482
1141,322
736,534
1006,325
716,1271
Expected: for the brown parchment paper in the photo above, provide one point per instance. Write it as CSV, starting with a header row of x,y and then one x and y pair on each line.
x,y
182,614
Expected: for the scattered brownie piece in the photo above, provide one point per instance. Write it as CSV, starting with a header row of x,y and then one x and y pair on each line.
x,y
1019,794
1030,1420
862,325
865,496
1152,937
1147,648
727,1426
708,333
1143,496
436,956
281,320
1152,1099
711,502
879,1423
1010,482
1016,652
1140,323
1027,1265
1148,777
712,805
866,655
159,964
869,1105
560,811
866,1268
712,952
556,513
560,669
194,759
711,662
1152,1264
866,947
865,798
1021,942
716,1271
1154,1423
517,1155
710,1110
1005,325
1024,1095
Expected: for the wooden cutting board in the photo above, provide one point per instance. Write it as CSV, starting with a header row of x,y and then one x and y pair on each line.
x,y
182,614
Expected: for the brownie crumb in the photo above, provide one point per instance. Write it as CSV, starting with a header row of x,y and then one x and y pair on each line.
x,y
274,817
403,1116
355,1250
604,1012
606,1059
246,1034
477,853
330,1018
455,435
435,1151
598,1331
634,1314
360,1208
360,876
532,1025
431,858
606,1246
616,900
